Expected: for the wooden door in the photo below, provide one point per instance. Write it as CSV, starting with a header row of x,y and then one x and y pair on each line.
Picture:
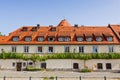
x,y
19,66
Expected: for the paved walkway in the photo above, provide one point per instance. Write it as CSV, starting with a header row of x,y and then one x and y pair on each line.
x,y
56,73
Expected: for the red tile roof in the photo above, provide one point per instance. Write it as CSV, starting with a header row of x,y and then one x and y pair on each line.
x,y
64,29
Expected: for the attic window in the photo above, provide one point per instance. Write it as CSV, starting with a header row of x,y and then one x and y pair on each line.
x,y
51,39
98,39
109,39
53,29
34,28
15,38
24,29
27,39
89,39
67,39
79,39
61,39
40,39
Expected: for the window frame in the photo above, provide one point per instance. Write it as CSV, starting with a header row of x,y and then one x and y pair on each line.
x,y
41,50
95,49
53,39
87,39
51,50
28,38
81,49
100,66
99,39
40,39
66,49
80,39
111,49
15,38
108,66
13,48
26,49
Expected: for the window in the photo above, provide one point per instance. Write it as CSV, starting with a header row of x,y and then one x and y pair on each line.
x,y
108,66
89,39
75,66
28,39
50,49
111,48
99,66
16,39
39,49
43,65
14,48
31,63
51,39
60,39
26,49
81,49
109,39
24,29
67,39
80,39
13,64
95,49
40,39
98,39
24,64
67,49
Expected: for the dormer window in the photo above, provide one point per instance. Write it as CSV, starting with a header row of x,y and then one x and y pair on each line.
x,y
16,38
53,29
109,39
27,39
40,39
89,39
51,39
35,28
60,39
79,39
67,39
98,39
24,29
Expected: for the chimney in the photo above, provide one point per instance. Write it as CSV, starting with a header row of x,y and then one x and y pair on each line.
x,y
75,25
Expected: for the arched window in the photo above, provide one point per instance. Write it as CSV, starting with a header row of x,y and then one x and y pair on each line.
x,y
99,66
15,38
109,39
80,39
60,39
40,39
98,39
27,39
89,39
67,39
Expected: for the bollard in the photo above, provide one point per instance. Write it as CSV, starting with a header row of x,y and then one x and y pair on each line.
x,y
30,78
4,78
104,77
56,78
80,78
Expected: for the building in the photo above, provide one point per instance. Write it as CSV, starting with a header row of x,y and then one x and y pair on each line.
x,y
62,38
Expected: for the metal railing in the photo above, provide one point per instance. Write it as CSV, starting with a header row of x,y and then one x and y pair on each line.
x,y
59,78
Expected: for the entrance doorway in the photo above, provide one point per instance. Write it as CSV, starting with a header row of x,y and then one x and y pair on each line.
x,y
19,66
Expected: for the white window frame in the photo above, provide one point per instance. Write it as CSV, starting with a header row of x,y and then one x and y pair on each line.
x,y
67,39
15,39
38,49
28,38
52,51
14,49
111,49
95,49
81,49
89,39
53,38
40,39
109,39
66,49
99,39
79,39
26,49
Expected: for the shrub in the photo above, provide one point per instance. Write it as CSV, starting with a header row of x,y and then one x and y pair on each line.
x,y
31,68
85,70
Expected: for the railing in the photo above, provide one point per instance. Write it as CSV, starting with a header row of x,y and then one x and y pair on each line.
x,y
59,78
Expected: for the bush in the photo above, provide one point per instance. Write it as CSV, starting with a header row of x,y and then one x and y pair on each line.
x,y
85,70
31,68
48,78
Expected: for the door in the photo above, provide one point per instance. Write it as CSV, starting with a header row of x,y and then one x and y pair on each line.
x,y
19,66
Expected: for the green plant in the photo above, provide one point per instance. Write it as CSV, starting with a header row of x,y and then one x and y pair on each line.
x,y
31,68
85,70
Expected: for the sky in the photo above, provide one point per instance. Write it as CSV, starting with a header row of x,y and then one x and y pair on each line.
x,y
17,13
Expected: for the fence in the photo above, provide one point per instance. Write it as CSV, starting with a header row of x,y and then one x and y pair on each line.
x,y
60,78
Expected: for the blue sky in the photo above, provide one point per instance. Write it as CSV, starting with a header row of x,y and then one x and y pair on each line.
x,y
16,13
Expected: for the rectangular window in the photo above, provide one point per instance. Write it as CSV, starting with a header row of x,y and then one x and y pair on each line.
x,y
14,48
81,49
39,49
26,49
95,49
67,49
111,48
50,49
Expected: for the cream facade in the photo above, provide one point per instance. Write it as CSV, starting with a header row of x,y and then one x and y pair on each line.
x,y
61,48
